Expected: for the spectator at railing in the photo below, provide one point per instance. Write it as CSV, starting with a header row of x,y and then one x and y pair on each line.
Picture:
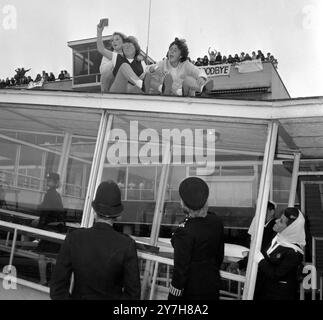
x,y
61,76
205,61
253,56
66,75
260,55
224,59
236,58
230,59
51,77
44,76
199,62
268,56
247,57
274,61
2,84
38,78
212,55
13,82
20,75
242,56
29,79
218,59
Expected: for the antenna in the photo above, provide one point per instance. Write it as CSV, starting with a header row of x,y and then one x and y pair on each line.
x,y
148,32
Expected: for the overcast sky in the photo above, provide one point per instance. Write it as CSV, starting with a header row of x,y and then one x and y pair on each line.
x,y
290,29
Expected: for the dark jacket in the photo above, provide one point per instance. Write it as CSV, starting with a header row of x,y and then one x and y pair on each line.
x,y
268,235
104,263
198,254
51,209
277,275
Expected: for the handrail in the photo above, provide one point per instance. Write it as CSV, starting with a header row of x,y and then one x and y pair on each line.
x,y
170,262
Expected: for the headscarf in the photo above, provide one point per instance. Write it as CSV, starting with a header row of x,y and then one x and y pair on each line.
x,y
293,235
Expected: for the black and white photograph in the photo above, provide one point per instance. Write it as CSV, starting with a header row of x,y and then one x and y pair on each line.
x,y
164,152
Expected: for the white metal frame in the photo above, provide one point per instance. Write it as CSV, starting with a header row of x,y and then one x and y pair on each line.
x,y
263,195
105,126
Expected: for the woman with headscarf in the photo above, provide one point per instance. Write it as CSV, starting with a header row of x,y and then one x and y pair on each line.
x,y
278,266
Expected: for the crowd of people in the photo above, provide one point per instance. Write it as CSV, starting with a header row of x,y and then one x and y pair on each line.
x,y
215,57
20,78
105,263
124,71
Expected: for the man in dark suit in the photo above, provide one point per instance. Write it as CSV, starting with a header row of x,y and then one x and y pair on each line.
x,y
104,262
198,246
269,233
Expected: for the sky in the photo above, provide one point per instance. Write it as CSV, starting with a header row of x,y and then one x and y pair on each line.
x,y
34,33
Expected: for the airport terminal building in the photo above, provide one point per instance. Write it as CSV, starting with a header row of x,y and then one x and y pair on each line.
x,y
247,138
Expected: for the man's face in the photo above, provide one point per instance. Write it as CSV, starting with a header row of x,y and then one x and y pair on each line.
x,y
51,183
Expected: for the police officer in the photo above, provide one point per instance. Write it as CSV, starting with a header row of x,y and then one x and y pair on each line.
x,y
198,246
104,262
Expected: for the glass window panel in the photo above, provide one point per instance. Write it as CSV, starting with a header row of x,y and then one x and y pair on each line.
x,y
26,156
26,160
81,63
95,61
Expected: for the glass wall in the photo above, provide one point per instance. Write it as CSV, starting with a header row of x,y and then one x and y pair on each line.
x,y
35,142
148,155
225,154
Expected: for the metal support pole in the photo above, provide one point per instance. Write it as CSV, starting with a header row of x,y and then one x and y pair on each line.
x,y
261,209
102,159
158,214
153,283
303,200
63,160
94,170
15,181
293,186
13,247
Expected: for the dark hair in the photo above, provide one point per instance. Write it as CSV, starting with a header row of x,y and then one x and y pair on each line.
x,y
120,34
182,46
291,213
134,41
270,206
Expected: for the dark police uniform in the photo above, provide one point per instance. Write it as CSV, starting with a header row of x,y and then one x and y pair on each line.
x,y
104,263
198,254
277,275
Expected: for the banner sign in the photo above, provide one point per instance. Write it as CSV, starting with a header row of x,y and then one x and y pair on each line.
x,y
216,70
249,66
